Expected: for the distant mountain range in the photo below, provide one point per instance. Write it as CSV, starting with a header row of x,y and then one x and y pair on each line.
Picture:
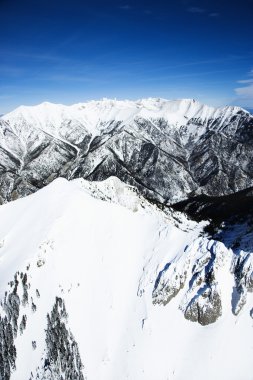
x,y
169,150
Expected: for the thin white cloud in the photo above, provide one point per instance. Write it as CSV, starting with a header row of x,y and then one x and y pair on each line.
x,y
245,81
245,93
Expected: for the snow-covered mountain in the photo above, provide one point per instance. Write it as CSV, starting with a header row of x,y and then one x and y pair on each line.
x,y
112,289
205,150
139,266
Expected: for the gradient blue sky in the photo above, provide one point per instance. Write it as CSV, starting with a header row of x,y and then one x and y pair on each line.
x,y
71,51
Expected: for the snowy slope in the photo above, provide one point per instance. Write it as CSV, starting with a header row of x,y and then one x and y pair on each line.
x,y
114,263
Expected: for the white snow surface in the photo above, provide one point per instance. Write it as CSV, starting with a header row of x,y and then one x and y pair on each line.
x,y
103,258
96,115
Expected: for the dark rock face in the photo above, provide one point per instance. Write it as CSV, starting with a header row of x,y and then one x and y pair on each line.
x,y
205,307
243,273
218,209
169,283
195,278
195,275
166,163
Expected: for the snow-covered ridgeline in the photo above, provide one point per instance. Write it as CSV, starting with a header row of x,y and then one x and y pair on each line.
x,y
96,274
95,115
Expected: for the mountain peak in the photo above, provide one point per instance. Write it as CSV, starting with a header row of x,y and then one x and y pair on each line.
x,y
94,113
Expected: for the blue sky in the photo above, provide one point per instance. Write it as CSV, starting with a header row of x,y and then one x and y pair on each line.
x,y
73,51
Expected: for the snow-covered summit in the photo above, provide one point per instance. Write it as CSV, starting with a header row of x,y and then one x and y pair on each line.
x,y
93,114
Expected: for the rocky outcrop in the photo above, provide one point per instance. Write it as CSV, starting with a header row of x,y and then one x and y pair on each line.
x,y
197,276
243,271
195,273
205,307
169,283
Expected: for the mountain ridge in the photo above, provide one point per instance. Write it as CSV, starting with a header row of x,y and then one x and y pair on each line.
x,y
157,107
117,138
102,285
